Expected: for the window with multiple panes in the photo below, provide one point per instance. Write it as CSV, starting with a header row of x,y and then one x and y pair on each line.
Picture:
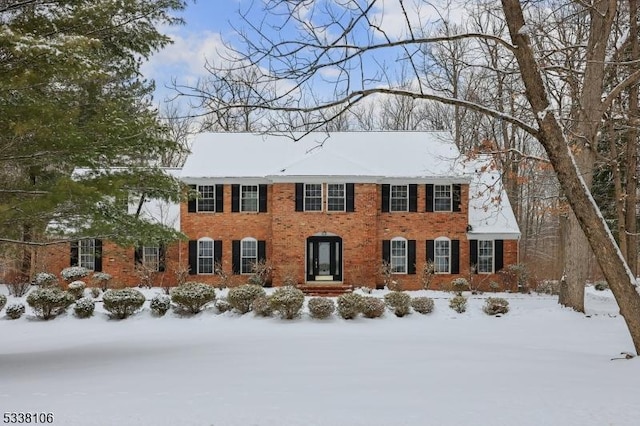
x,y
206,201
151,257
442,198
442,256
399,198
248,255
398,258
87,254
485,257
313,197
249,198
205,256
336,197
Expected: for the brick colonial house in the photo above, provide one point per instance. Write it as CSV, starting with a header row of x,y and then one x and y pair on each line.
x,y
329,209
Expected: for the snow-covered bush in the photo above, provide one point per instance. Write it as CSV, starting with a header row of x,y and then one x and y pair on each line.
x,y
458,303
74,273
160,304
192,297
261,306
321,307
14,310
495,306
48,302
287,301
399,302
45,279
349,305
422,305
223,306
123,303
601,286
241,297
548,287
3,301
101,280
459,284
76,288
372,307
95,292
84,307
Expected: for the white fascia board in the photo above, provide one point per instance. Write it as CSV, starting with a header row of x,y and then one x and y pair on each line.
x,y
436,180
324,179
251,180
493,235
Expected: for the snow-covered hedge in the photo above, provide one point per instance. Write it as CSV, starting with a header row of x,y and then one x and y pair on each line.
x,y
349,305
45,279
84,307
459,284
48,302
495,306
458,303
3,301
261,306
223,306
288,301
192,297
321,307
372,307
74,273
14,310
123,303
422,305
399,302
160,304
241,297
76,288
101,279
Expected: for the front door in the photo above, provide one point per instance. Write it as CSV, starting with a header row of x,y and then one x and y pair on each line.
x,y
324,259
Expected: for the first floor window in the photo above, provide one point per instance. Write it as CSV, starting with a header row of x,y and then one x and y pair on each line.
x,y
335,197
151,257
442,198
313,197
87,254
248,255
485,257
399,256
207,198
399,198
249,198
442,256
205,256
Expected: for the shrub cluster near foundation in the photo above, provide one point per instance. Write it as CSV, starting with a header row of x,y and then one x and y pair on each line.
x,y
160,304
48,302
321,307
372,307
123,303
84,307
349,305
241,297
45,279
192,297
495,306
458,303
14,310
3,301
422,305
76,289
287,301
399,302
73,273
261,306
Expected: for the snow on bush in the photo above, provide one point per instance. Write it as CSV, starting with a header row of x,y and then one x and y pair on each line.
x,y
45,279
399,302
261,306
14,310
95,292
349,305
160,304
192,297
321,307
122,303
548,287
460,284
495,306
458,303
84,307
287,301
372,307
241,297
423,305
74,273
223,306
76,288
101,280
3,301
48,302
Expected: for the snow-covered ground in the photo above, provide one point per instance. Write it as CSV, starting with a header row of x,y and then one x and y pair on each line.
x,y
538,365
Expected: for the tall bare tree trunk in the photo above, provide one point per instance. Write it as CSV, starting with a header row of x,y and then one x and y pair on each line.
x,y
632,148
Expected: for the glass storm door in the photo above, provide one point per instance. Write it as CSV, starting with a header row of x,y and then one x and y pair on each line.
x,y
324,259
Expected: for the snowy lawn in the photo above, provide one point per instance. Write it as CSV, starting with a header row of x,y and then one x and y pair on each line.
x,y
537,365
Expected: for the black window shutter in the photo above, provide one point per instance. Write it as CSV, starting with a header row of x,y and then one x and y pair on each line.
x,y
217,252
162,257
262,193
193,257
137,254
386,250
235,258
413,197
430,251
411,257
351,197
299,197
191,204
219,198
73,258
429,188
386,189
98,260
473,254
455,256
262,250
498,246
456,192
235,198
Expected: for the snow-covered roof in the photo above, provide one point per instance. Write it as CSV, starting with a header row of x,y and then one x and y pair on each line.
x,y
360,156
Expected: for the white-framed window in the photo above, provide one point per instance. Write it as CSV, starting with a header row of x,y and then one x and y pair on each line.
x,y
399,198
87,254
485,257
205,256
336,196
248,255
249,198
398,256
206,201
442,256
442,198
312,197
151,257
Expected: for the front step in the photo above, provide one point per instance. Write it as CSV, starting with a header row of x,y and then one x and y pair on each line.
x,y
325,290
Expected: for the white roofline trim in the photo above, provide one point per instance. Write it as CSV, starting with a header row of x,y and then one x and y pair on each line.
x,y
479,235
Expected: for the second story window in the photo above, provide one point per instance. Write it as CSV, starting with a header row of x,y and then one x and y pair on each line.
x,y
442,198
335,197
399,199
313,197
249,198
206,201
